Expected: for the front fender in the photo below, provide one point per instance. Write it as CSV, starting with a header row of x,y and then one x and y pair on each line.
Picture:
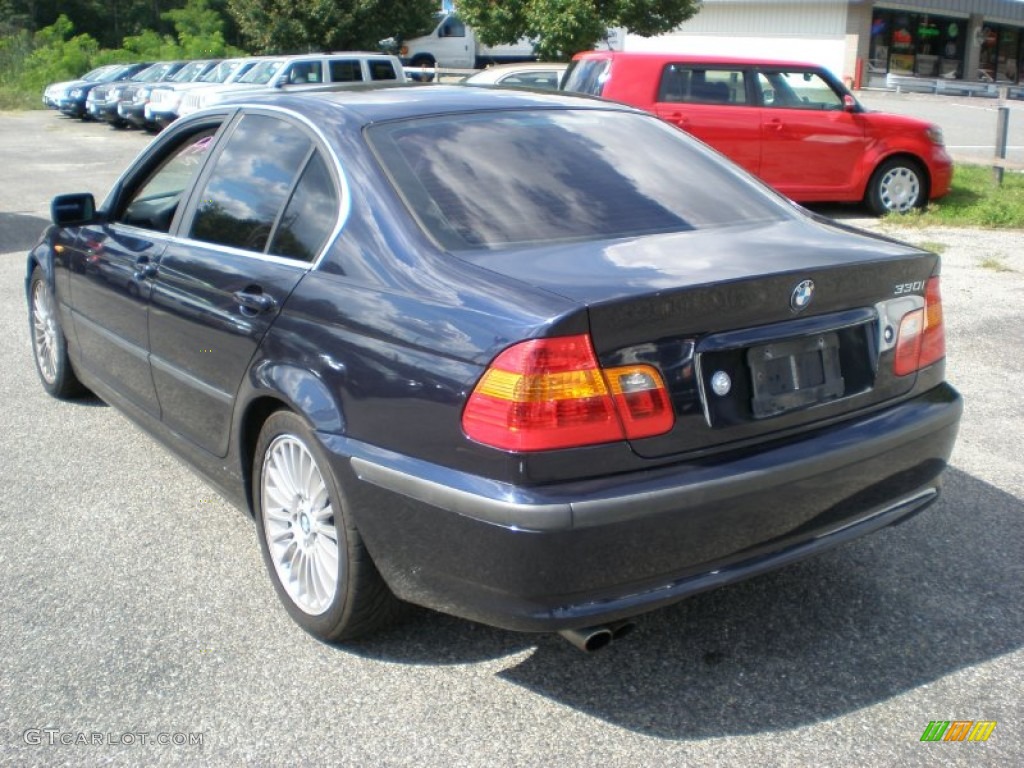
x,y
893,143
42,256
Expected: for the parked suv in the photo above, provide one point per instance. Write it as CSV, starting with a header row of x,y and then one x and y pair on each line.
x,y
102,101
302,72
164,101
793,125
54,92
132,105
73,103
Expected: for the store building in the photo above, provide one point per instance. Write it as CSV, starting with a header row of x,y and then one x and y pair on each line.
x,y
860,40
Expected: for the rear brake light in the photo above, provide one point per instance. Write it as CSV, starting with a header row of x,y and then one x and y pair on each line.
x,y
546,394
922,335
641,400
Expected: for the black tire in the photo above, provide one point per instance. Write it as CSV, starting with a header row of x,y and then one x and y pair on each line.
x,y
899,185
49,346
300,524
423,60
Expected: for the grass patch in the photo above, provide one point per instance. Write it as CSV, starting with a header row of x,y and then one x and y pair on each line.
x,y
974,201
934,247
995,264
13,100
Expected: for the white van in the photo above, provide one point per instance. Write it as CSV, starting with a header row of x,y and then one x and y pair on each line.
x,y
453,45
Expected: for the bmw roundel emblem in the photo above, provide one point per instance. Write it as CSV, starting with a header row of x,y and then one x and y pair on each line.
x,y
802,295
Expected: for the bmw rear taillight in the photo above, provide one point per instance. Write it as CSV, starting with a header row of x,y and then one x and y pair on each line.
x,y
546,394
922,335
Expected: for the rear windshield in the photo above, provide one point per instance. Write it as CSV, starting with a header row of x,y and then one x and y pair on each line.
x,y
497,179
587,76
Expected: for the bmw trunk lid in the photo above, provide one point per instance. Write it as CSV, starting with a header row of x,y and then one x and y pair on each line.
x,y
756,330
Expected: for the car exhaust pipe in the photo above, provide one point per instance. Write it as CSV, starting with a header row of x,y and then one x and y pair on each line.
x,y
590,639
622,628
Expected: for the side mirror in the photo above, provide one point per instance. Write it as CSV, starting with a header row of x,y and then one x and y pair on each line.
x,y
849,103
72,210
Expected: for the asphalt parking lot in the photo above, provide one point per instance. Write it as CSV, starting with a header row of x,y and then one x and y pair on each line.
x,y
139,627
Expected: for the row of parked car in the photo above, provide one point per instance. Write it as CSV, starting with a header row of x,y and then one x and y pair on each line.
x,y
152,95
793,125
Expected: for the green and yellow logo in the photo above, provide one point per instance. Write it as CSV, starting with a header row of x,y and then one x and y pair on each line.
x,y
958,730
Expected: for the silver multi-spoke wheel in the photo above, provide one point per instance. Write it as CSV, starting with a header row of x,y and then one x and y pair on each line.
x,y
299,524
898,185
900,189
316,558
45,332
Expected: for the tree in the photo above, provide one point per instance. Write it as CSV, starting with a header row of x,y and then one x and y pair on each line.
x,y
200,31
58,54
565,27
285,26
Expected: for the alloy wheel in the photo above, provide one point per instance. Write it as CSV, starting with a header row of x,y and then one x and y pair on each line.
x,y
299,524
45,332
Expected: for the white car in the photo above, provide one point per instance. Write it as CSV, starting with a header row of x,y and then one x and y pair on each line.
x,y
299,73
165,101
530,74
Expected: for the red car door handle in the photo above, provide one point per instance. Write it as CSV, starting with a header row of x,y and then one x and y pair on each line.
x,y
775,124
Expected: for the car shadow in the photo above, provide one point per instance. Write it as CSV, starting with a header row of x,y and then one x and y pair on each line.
x,y
813,641
19,232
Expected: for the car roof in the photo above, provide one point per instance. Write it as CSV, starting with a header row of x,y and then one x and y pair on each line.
x,y
365,104
690,58
524,66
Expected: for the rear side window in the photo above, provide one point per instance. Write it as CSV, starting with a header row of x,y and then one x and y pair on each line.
x,y
686,84
302,72
348,71
310,214
382,70
491,180
587,76
798,90
250,183
538,79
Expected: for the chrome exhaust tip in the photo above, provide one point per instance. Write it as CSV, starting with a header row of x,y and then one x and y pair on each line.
x,y
620,629
589,639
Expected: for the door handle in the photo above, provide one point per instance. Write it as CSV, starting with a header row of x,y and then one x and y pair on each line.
x,y
145,269
679,119
775,124
254,302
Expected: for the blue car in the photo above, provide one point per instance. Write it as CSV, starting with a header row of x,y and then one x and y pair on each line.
x,y
535,360
73,102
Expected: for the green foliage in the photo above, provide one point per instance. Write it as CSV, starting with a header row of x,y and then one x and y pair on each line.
x,y
974,201
29,62
284,26
57,55
151,46
565,27
200,31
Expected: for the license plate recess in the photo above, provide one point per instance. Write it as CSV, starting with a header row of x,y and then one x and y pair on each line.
x,y
795,373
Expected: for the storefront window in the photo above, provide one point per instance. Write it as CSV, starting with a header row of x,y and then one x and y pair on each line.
x,y
917,44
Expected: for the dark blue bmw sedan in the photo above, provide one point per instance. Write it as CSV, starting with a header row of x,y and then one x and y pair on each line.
x,y
538,361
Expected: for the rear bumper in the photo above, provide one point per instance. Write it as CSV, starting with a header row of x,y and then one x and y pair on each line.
x,y
582,553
